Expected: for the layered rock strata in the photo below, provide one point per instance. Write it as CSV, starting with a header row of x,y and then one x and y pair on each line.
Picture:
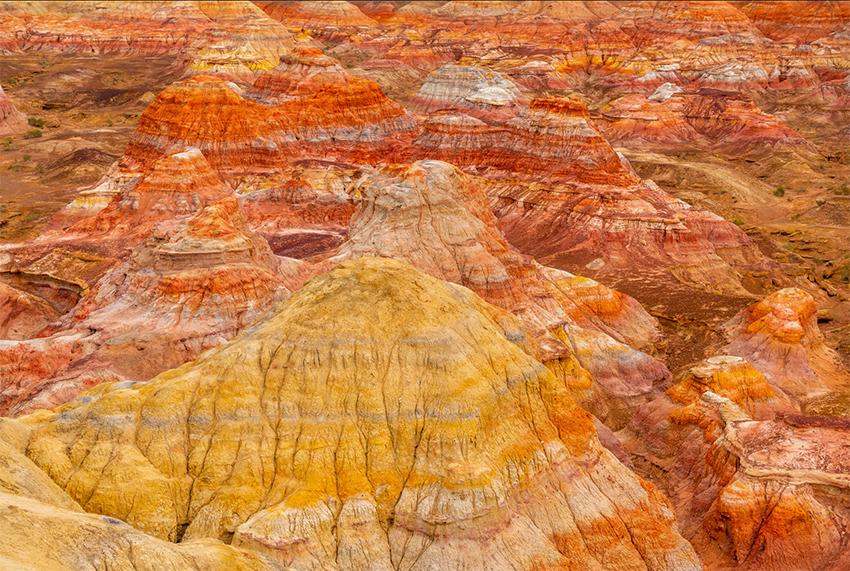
x,y
12,121
368,444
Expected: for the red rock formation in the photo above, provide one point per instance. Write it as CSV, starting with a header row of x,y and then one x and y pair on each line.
x,y
636,118
22,314
751,483
477,92
300,74
178,184
798,22
432,216
12,121
351,122
318,15
551,141
781,338
191,286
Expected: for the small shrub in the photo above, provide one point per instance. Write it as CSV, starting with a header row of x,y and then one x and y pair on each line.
x,y
796,216
842,190
9,145
13,82
780,191
17,167
36,121
738,222
39,169
31,216
27,157
34,134
109,122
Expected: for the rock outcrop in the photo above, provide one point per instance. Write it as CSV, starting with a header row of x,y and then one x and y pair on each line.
x,y
350,122
300,74
479,93
318,15
434,217
799,22
12,121
781,338
754,485
408,429
190,286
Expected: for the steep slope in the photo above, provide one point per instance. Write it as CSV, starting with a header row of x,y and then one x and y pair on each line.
x,y
781,338
12,121
190,286
402,429
432,216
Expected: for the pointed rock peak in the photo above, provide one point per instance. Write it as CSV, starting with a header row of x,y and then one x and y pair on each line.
x,y
299,74
789,315
725,375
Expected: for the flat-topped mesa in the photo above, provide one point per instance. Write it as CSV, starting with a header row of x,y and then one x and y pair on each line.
x,y
551,141
744,490
352,122
299,74
434,217
781,338
471,90
334,14
798,22
179,184
192,285
243,44
360,482
12,121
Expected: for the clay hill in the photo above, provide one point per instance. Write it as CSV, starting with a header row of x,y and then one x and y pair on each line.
x,y
365,425
372,285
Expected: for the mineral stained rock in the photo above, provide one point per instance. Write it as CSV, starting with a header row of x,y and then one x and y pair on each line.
x,y
470,90
190,286
434,217
347,431
781,338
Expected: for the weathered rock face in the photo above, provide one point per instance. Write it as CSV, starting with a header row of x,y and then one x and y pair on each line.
x,y
243,43
285,439
551,141
318,15
754,486
22,314
353,122
638,118
178,184
11,120
432,216
781,338
300,74
471,90
799,22
191,286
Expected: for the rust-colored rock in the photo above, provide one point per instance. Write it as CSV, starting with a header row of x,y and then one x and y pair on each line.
x,y
781,338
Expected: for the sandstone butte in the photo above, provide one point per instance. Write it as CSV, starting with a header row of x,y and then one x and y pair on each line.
x,y
800,22
435,218
352,122
781,338
345,430
191,285
12,121
753,485
477,92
